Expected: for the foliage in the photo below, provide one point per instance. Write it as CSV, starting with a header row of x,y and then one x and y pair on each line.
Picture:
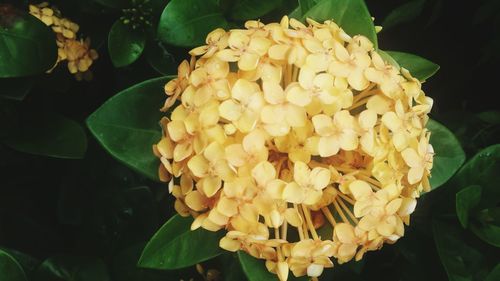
x,y
69,211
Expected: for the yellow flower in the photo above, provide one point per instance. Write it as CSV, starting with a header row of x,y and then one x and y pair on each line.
x,y
285,127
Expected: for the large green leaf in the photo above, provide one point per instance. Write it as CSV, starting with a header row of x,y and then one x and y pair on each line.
x,y
10,269
460,261
175,246
27,45
127,125
404,13
352,15
125,45
72,268
482,169
186,23
494,275
419,67
48,134
466,200
252,9
449,155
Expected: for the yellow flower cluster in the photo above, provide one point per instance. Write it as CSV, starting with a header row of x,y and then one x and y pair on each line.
x,y
299,140
76,51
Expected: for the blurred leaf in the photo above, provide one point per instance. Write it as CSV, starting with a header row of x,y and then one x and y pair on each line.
x,y
125,45
466,200
252,9
175,245
306,5
494,274
486,225
27,45
128,131
231,267
491,117
352,15
16,88
420,68
482,169
449,155
27,263
160,59
117,4
404,13
460,261
72,268
255,269
186,23
48,134
10,269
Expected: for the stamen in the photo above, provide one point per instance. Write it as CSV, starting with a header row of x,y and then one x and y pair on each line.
x,y
310,225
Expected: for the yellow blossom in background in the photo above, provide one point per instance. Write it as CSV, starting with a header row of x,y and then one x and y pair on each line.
x,y
284,128
75,51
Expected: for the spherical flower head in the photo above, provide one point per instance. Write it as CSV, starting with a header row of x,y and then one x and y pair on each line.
x,y
277,130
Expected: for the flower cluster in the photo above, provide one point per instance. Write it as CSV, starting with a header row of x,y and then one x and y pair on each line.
x,y
76,52
299,140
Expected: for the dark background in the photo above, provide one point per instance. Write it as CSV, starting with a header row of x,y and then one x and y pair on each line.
x,y
96,209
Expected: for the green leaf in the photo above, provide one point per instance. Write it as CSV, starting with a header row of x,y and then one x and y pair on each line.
x,y
10,269
72,268
16,88
160,59
420,68
48,134
175,246
404,13
482,169
256,270
494,274
125,45
186,23
252,9
388,59
449,155
466,200
489,233
460,261
127,125
27,45
306,5
351,15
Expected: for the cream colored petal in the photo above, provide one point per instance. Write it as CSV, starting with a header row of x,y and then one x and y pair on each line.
x,y
349,140
297,95
229,244
345,233
320,177
263,173
182,151
228,55
339,69
415,174
236,156
198,165
328,146
367,119
230,110
411,157
306,77
196,201
317,62
211,185
357,80
214,152
293,217
278,52
360,189
323,124
393,206
227,207
293,193
273,93
248,61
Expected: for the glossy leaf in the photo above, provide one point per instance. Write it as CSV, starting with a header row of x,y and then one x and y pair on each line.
x,y
466,200
252,9
306,5
125,45
160,59
482,169
186,23
419,67
127,125
27,45
351,15
404,13
449,155
460,261
10,269
255,269
48,134
72,268
175,246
